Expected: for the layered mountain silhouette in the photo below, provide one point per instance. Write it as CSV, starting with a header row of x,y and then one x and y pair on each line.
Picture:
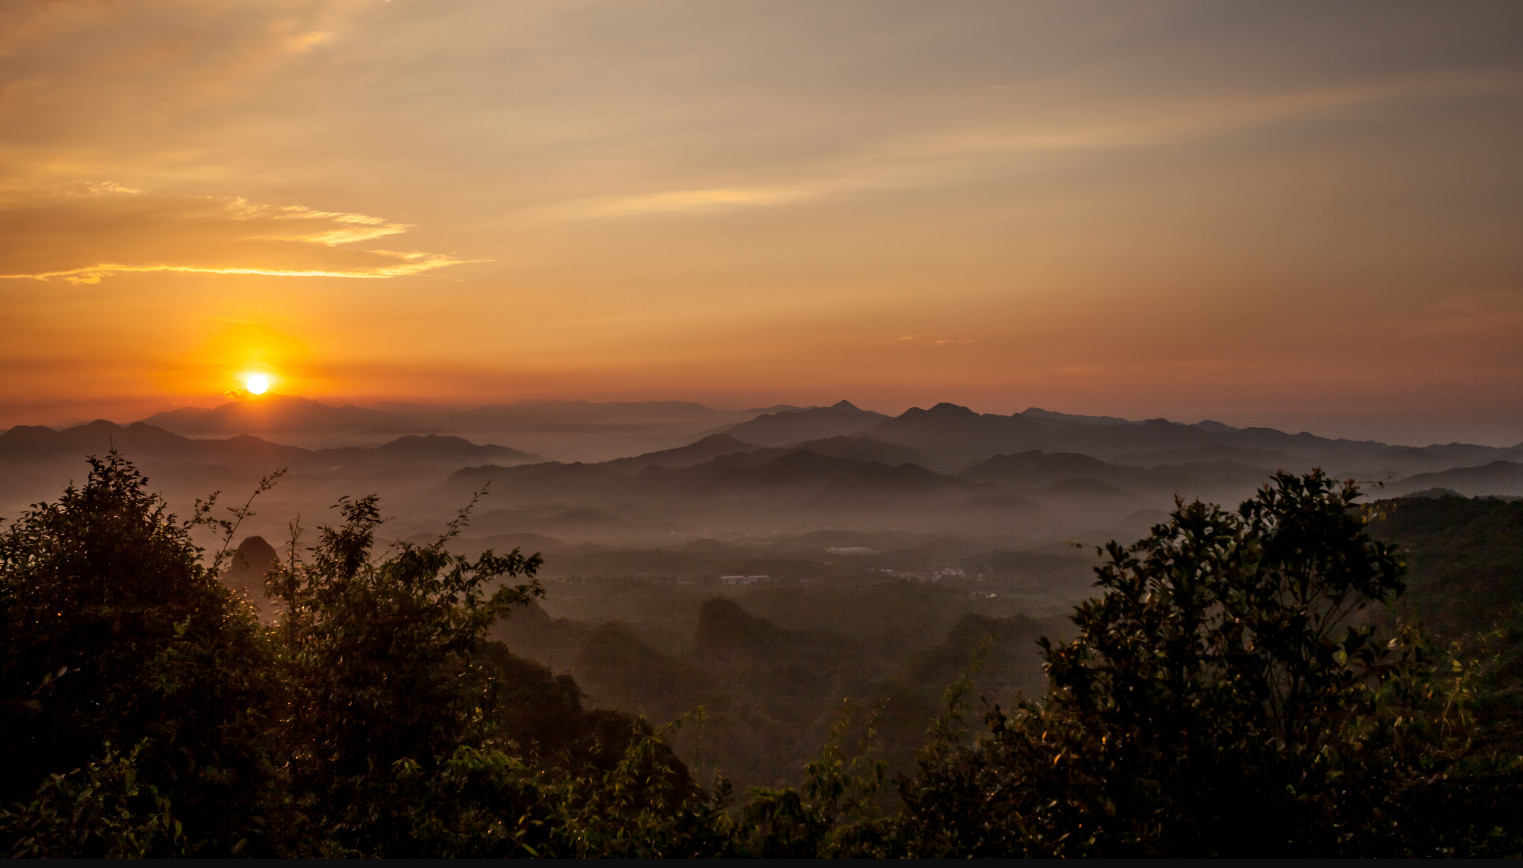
x,y
788,427
570,430
288,414
291,413
949,466
142,440
946,469
37,462
1496,478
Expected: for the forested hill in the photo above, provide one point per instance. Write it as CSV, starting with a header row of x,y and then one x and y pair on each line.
x,y
1464,560
1254,704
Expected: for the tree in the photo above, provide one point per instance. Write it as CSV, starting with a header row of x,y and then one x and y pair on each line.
x,y
144,708
385,683
112,632
1225,695
406,728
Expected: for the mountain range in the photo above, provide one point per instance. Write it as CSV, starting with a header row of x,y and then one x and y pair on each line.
x,y
943,469
570,430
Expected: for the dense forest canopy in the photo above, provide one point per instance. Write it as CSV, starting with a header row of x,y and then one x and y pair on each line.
x,y
1241,684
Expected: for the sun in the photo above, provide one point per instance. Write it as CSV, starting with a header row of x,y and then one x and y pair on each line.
x,y
257,384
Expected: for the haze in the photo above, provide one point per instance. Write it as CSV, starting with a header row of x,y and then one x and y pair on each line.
x,y
1302,215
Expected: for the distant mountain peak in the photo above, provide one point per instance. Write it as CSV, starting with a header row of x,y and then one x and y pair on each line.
x,y
697,452
796,426
948,410
436,439
1039,413
721,439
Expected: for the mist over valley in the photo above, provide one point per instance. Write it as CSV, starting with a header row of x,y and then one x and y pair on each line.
x,y
762,565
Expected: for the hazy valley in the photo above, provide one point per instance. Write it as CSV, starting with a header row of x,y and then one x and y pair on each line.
x,y
763,566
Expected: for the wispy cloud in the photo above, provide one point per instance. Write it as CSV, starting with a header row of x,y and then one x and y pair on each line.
x,y
89,232
971,152
1168,121
409,263
690,201
923,341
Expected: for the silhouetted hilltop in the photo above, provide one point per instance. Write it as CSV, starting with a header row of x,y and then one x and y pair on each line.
x,y
816,423
30,442
528,481
429,448
291,413
436,447
144,441
1032,469
802,469
952,436
618,669
246,569
725,629
707,449
779,473
566,430
862,449
1496,478
1053,416
275,413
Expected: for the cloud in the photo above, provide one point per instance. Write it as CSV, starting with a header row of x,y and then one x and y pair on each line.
x,y
954,154
302,43
88,232
923,341
1170,121
97,83
689,201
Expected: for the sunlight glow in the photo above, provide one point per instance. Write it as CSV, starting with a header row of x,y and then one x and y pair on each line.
x,y
257,384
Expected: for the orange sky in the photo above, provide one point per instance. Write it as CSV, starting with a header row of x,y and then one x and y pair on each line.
x,y
1306,215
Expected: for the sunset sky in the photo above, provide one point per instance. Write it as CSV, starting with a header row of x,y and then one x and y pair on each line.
x,y
1305,215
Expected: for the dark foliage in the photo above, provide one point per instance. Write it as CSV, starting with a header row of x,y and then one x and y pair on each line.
x,y
148,714
1224,696
113,633
1464,558
1228,692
